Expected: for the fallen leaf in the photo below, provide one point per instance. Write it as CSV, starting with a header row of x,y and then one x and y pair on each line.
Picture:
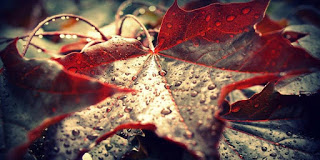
x,y
61,93
201,57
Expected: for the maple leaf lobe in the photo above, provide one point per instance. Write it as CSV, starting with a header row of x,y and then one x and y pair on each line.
x,y
215,22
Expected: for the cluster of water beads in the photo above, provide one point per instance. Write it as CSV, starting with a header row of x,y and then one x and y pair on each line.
x,y
62,17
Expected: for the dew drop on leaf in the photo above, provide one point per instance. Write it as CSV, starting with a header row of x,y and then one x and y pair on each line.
x,y
72,69
92,136
188,134
235,109
56,149
108,146
86,156
273,154
66,144
178,83
68,151
218,23
92,72
128,109
264,149
167,86
108,110
230,18
246,10
211,86
134,78
169,25
213,97
256,16
194,93
75,132
208,18
166,111
162,73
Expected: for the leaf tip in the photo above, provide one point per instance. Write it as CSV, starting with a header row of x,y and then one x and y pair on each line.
x,y
126,90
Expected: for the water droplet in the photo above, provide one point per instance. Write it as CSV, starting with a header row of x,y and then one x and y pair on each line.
x,y
72,69
256,105
75,132
273,154
47,23
188,134
235,109
194,93
128,109
108,146
256,16
178,83
208,18
166,111
213,97
68,151
152,8
169,25
196,43
56,149
40,36
264,149
142,11
162,73
62,36
77,19
63,17
211,86
108,110
86,156
246,10
167,86
289,133
92,137
66,144
134,78
230,18
147,102
218,23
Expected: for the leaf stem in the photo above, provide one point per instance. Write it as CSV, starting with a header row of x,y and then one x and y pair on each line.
x,y
32,34
151,47
128,3
55,33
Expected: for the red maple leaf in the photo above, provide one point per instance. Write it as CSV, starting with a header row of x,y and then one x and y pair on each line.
x,y
202,55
